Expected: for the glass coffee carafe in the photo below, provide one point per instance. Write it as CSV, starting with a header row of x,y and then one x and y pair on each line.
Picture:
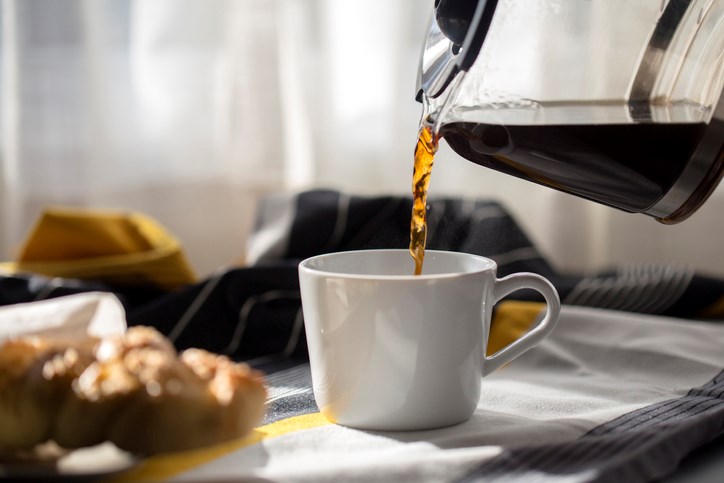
x,y
616,101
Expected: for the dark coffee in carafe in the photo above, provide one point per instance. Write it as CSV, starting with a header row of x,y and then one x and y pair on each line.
x,y
627,166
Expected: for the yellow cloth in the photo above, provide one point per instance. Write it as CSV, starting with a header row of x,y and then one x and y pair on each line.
x,y
164,466
122,248
512,320
714,311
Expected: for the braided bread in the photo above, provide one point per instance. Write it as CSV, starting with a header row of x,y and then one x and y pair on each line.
x,y
133,390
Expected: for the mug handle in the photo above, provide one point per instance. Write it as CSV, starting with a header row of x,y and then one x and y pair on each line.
x,y
509,284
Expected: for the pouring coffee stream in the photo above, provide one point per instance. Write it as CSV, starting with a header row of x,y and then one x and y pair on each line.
x,y
428,139
627,111
427,142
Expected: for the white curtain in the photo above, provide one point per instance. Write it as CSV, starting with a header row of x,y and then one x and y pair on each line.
x,y
188,110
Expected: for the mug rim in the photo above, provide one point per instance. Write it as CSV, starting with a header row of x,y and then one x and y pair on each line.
x,y
489,265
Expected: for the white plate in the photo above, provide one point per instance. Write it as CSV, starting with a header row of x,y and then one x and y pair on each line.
x,y
81,464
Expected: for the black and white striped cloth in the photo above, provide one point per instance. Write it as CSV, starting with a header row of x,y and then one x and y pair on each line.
x,y
255,311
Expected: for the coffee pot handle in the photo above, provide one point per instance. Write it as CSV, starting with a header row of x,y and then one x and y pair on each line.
x,y
509,284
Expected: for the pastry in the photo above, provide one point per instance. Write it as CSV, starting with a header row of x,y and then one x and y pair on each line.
x,y
132,389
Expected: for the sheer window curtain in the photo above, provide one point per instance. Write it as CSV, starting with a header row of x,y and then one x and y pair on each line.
x,y
173,108
189,110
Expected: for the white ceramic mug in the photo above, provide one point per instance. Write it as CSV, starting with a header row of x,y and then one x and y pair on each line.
x,y
390,350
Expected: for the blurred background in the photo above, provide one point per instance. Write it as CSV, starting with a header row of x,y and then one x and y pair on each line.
x,y
190,110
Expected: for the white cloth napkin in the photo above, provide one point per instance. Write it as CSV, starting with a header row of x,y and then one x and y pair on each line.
x,y
74,316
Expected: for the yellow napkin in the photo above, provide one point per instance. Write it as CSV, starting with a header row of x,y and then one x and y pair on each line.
x,y
512,319
122,248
